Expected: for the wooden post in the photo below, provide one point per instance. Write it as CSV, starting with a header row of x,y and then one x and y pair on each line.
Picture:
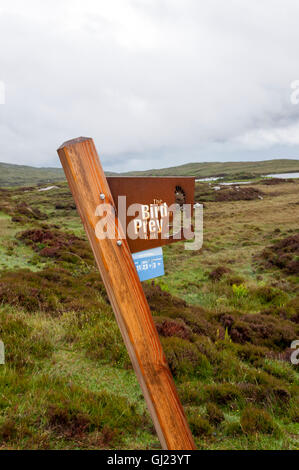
x,y
87,181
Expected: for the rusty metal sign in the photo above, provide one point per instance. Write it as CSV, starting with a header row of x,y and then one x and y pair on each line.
x,y
152,197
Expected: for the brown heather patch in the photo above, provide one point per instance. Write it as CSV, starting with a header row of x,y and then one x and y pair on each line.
x,y
185,359
23,209
99,440
65,205
73,412
283,254
215,414
223,394
275,181
199,426
20,211
260,330
290,311
8,430
62,246
51,290
238,395
165,305
294,415
255,420
235,193
170,327
218,273
64,421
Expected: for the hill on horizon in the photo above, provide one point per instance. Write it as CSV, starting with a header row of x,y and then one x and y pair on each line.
x,y
225,169
21,175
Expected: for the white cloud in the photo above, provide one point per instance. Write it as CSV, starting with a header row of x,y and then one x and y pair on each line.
x,y
264,138
155,82
2,93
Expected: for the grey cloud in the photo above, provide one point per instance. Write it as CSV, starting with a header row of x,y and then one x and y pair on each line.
x,y
156,83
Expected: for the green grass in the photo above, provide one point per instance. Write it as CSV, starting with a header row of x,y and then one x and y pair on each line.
x,y
18,175
230,170
226,320
13,254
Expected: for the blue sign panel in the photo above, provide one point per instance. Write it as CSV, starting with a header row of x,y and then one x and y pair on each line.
x,y
149,263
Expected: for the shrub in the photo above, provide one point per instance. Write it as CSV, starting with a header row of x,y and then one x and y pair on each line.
x,y
223,394
53,243
103,341
73,409
255,420
228,368
8,430
215,414
167,327
267,295
191,394
240,290
294,414
238,194
260,330
184,358
200,426
218,273
23,344
281,370
164,304
283,254
250,353
234,279
51,290
233,429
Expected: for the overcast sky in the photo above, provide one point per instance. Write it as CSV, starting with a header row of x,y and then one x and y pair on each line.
x,y
156,83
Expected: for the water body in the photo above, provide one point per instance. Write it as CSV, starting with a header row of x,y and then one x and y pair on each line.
x,y
233,183
202,180
236,183
49,188
284,175
277,175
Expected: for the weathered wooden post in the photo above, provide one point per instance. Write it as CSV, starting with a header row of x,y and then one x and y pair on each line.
x,y
87,182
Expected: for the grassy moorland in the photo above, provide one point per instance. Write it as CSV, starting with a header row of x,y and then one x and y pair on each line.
x,y
227,316
18,175
225,169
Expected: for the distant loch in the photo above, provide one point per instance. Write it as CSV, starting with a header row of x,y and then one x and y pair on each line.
x,y
283,175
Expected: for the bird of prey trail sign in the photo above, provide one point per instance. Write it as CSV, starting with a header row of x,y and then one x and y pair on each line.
x,y
113,240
